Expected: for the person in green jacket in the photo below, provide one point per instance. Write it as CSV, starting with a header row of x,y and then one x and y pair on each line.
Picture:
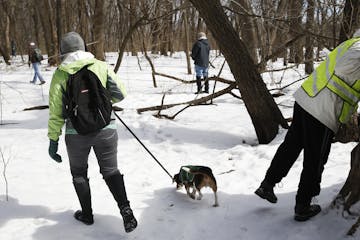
x,y
327,98
103,142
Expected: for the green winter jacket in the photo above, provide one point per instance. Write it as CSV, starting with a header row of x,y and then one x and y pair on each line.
x,y
73,63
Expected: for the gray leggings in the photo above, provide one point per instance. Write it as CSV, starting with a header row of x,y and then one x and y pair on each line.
x,y
103,142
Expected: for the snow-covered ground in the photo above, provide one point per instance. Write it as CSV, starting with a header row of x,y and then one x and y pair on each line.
x,y
42,199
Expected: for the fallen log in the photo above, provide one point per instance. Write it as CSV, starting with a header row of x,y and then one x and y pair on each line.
x,y
192,102
214,78
41,107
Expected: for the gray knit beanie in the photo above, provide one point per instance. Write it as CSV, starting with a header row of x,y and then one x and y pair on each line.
x,y
71,42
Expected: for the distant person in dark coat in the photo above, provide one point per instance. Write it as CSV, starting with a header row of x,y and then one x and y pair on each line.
x,y
35,58
200,55
13,48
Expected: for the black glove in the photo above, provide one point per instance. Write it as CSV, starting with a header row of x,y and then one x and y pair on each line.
x,y
53,147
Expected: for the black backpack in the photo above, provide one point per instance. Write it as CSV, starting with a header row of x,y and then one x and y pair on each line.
x,y
87,102
37,55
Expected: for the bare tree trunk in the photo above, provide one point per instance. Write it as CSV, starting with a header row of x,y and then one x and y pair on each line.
x,y
296,51
334,2
99,34
309,49
35,35
125,41
59,25
166,29
172,21
20,38
150,62
320,23
350,19
82,20
350,192
46,15
272,32
10,27
263,35
262,108
132,18
248,27
4,37
5,55
348,132
187,38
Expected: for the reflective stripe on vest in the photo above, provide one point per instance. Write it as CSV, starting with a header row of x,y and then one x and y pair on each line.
x,y
348,94
324,76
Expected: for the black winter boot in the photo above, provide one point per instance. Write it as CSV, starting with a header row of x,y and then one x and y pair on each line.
x,y
206,83
88,220
117,188
82,189
305,212
266,191
198,84
130,222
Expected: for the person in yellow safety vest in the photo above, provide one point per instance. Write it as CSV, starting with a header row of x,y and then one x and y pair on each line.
x,y
327,98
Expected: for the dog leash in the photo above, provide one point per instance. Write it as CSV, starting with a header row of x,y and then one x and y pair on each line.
x,y
143,145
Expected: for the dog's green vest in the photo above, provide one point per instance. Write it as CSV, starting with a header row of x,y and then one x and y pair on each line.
x,y
324,76
185,173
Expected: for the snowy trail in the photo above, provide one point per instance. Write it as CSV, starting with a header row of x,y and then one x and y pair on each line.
x,y
221,136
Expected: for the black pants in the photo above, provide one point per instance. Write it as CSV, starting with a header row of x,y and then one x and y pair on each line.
x,y
103,142
308,134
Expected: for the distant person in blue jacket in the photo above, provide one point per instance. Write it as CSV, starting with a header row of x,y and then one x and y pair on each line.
x,y
200,54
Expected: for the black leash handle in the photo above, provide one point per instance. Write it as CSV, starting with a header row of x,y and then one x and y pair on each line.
x,y
142,144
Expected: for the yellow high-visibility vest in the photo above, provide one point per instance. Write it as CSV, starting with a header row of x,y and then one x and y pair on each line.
x,y
324,76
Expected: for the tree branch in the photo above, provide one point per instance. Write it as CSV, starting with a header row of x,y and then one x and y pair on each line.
x,y
192,102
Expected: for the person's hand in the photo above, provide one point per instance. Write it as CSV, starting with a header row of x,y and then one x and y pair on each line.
x,y
53,148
